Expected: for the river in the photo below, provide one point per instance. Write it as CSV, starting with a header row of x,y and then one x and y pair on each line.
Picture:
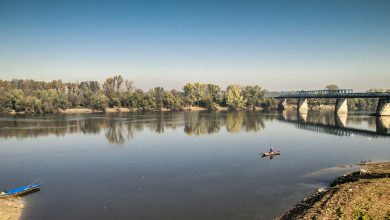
x,y
181,165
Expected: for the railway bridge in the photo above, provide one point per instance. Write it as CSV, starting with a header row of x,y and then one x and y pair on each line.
x,y
341,96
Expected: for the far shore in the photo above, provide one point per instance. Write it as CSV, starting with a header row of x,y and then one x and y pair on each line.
x,y
11,208
121,109
363,194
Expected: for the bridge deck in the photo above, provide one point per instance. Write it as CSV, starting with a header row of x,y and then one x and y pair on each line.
x,y
335,95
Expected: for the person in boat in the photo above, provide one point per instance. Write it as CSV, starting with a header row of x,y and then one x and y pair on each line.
x,y
271,150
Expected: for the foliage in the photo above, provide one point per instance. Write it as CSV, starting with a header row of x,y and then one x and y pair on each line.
x,y
112,89
332,87
40,97
253,96
99,102
173,101
234,99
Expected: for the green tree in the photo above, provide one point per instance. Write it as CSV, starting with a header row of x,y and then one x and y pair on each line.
x,y
189,93
253,96
234,99
15,100
113,89
200,92
134,99
172,101
99,102
213,96
158,97
148,102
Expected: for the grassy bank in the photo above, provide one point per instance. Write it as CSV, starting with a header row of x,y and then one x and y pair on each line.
x,y
363,194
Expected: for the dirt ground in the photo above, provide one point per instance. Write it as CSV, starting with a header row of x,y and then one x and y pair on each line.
x,y
363,194
11,209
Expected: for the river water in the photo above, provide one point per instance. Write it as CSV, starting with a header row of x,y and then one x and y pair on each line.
x,y
181,165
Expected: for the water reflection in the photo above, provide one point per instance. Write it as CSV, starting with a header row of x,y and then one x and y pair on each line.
x,y
342,125
119,128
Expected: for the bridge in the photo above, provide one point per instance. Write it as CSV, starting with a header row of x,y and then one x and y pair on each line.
x,y
341,96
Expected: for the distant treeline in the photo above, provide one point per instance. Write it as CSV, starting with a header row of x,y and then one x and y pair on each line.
x,y
32,96
50,97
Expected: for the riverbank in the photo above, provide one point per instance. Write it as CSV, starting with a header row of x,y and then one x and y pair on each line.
x,y
121,109
363,194
11,209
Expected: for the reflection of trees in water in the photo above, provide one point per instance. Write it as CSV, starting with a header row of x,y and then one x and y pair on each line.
x,y
120,128
114,133
196,123
253,122
234,122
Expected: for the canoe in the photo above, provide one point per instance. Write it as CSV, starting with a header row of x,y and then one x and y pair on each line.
x,y
20,191
269,154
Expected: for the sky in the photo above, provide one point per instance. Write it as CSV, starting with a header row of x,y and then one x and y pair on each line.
x,y
279,45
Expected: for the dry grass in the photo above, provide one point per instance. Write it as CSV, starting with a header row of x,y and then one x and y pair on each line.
x,y
117,110
360,195
76,111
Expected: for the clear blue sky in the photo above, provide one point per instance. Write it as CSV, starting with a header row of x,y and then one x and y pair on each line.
x,y
279,45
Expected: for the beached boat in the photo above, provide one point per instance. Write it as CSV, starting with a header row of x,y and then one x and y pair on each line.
x,y
270,154
20,191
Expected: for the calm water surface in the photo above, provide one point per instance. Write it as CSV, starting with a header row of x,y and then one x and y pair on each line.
x,y
185,165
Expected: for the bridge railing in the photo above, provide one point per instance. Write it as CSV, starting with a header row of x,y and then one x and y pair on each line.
x,y
340,93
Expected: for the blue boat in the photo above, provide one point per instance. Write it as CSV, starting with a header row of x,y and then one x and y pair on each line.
x,y
20,191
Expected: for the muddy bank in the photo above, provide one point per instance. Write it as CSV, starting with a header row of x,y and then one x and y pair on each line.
x,y
11,209
363,194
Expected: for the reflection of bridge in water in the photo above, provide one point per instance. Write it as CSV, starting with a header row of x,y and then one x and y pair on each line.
x,y
382,128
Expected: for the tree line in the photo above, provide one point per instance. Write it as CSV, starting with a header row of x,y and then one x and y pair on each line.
x,y
32,96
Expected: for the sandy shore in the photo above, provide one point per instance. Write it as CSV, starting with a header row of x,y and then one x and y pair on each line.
x,y
11,209
120,109
363,194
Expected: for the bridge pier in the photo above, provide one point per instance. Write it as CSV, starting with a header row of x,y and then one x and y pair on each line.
x,y
302,105
383,107
341,106
282,104
383,125
302,116
340,120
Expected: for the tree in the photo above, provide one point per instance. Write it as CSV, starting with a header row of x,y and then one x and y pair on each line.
x,y
158,97
213,96
332,87
113,89
172,100
148,102
15,100
200,91
189,93
234,100
253,95
99,102
134,99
